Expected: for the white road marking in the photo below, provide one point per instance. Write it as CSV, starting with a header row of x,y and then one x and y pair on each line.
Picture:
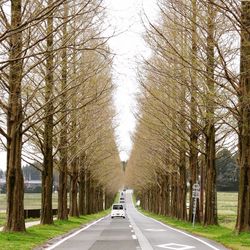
x,y
130,226
179,231
74,234
155,230
174,246
143,241
134,236
132,231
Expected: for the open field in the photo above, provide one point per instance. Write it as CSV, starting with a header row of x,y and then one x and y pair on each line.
x,y
227,209
227,206
31,201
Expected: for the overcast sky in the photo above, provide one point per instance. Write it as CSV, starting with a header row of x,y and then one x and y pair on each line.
x,y
124,17
129,46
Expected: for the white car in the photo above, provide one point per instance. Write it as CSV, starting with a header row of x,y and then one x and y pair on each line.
x,y
122,199
118,211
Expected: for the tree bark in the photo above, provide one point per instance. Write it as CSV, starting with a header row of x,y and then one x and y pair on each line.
x,y
182,190
210,216
82,196
87,188
182,177
174,195
74,189
47,173
15,186
63,150
243,215
167,195
193,112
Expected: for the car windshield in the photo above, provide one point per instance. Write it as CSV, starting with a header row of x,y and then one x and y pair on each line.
x,y
117,207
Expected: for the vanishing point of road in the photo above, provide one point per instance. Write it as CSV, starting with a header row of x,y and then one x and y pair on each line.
x,y
136,232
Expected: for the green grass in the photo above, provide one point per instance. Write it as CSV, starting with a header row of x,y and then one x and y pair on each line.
x,y
227,209
38,235
2,219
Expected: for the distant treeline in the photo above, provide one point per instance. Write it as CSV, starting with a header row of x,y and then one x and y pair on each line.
x,y
32,179
226,164
227,171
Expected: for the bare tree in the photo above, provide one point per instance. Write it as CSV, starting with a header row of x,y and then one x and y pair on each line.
x,y
15,186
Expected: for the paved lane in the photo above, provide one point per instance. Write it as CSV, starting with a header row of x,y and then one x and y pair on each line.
x,y
106,234
117,235
155,235
133,233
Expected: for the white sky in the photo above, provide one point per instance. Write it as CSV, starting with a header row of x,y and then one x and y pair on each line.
x,y
124,17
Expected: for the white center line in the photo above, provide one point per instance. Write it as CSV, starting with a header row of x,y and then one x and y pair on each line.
x,y
143,241
134,236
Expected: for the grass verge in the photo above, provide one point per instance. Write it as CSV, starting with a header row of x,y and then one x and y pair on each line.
x,y
2,219
221,234
38,235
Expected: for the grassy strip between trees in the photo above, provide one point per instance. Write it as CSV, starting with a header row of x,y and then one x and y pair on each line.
x,y
38,235
2,219
220,234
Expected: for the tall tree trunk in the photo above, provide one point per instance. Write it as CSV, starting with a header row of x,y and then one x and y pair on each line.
x,y
91,195
74,166
74,211
82,196
63,150
202,180
243,215
164,187
87,191
193,112
210,216
182,177
174,194
15,186
74,189
182,189
103,199
47,173
167,195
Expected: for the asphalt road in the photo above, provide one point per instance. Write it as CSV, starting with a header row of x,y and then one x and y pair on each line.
x,y
133,233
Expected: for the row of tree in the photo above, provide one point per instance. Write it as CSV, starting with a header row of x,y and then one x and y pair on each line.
x,y
195,100
56,105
